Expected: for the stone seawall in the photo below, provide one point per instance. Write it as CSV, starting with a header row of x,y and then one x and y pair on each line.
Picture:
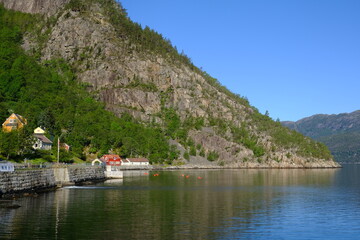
x,y
83,174
47,179
26,181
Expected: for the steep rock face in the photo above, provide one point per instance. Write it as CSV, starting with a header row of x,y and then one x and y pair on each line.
x,y
133,80
141,84
48,7
129,79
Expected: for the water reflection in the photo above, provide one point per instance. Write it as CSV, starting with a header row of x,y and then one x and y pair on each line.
x,y
211,204
136,173
114,181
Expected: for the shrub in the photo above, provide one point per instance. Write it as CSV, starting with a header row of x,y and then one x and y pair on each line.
x,y
192,151
213,156
186,156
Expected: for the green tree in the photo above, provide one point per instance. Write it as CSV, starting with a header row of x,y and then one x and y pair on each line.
x,y
213,156
47,120
192,151
9,145
186,155
202,153
16,143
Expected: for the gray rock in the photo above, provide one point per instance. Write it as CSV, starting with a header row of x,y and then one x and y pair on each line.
x,y
48,7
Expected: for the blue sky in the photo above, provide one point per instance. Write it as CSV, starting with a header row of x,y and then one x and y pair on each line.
x,y
294,58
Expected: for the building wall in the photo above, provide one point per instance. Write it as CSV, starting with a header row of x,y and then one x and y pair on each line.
x,y
18,123
46,146
41,145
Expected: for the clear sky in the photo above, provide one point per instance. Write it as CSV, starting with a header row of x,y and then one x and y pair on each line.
x,y
294,58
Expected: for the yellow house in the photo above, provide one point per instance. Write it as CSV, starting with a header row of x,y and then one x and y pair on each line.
x,y
14,122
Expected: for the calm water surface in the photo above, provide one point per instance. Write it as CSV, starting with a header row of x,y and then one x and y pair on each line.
x,y
224,204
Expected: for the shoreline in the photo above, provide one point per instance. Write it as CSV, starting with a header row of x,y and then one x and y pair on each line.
x,y
26,183
256,165
238,168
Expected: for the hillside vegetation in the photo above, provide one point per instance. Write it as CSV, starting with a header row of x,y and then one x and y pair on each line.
x,y
107,84
48,96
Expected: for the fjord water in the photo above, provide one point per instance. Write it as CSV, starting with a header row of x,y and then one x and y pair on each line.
x,y
223,204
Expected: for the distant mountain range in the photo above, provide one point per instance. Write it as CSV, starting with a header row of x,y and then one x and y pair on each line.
x,y
340,132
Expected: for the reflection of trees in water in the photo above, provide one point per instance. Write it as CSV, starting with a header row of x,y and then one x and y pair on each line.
x,y
165,207
6,217
33,214
37,218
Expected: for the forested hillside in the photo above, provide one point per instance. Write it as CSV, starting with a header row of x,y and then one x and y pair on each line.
x,y
340,132
103,83
49,96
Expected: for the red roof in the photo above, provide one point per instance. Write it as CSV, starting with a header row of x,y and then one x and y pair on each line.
x,y
112,157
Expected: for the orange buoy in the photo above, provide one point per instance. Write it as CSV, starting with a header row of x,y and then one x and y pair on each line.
x,y
183,175
199,177
187,176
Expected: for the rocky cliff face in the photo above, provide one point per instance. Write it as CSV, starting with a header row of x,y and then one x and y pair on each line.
x,y
132,82
129,79
48,7
135,82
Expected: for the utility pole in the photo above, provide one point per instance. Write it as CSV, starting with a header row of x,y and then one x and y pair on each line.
x,y
58,151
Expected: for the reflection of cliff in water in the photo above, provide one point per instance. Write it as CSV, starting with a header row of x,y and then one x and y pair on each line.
x,y
284,177
168,206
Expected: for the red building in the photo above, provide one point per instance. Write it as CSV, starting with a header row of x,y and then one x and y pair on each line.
x,y
111,159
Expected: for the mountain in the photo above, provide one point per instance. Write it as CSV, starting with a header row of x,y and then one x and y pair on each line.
x,y
340,132
136,71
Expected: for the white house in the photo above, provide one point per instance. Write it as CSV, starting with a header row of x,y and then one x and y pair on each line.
x,y
6,166
134,162
42,142
98,162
